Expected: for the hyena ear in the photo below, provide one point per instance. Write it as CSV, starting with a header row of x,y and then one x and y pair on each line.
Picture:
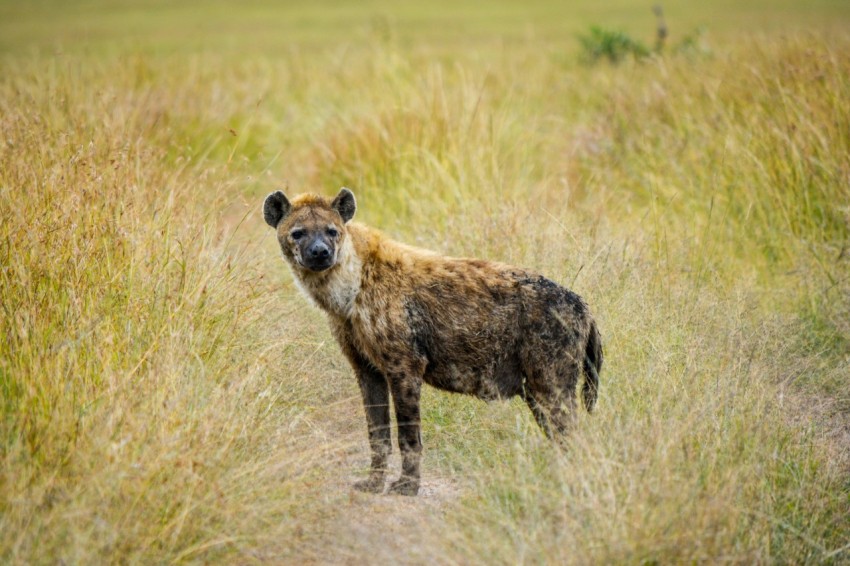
x,y
275,208
345,204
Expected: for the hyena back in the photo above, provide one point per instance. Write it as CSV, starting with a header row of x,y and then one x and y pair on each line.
x,y
404,316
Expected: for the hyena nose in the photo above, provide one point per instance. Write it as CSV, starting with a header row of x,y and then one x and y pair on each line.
x,y
319,250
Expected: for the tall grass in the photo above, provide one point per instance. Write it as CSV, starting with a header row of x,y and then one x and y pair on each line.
x,y
167,396
139,410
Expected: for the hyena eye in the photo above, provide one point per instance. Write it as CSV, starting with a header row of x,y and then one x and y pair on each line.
x,y
297,234
332,232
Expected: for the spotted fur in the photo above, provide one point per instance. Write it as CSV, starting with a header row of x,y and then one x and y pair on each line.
x,y
405,316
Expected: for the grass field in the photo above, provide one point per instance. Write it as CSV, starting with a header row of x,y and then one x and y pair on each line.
x,y
167,396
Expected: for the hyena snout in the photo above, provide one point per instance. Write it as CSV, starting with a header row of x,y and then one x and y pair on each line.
x,y
318,255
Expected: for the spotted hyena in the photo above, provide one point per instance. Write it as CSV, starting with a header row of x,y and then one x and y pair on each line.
x,y
404,316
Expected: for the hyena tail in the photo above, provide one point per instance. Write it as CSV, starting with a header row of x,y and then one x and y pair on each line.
x,y
592,367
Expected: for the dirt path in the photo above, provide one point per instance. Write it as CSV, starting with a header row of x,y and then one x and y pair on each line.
x,y
388,529
352,527
377,529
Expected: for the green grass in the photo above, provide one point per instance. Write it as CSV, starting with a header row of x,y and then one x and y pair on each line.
x,y
269,27
167,396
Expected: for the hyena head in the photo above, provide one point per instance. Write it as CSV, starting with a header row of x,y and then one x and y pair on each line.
x,y
311,228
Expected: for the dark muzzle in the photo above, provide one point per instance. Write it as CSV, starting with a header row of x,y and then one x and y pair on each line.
x,y
317,256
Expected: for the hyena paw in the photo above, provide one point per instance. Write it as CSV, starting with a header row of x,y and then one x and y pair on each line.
x,y
404,486
370,485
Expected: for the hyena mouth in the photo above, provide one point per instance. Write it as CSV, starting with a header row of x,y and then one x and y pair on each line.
x,y
318,265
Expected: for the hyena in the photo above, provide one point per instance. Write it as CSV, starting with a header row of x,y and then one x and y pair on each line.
x,y
404,316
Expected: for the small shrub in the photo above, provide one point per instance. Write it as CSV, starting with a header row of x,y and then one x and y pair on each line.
x,y
612,45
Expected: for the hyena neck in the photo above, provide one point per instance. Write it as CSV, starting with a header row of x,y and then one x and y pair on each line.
x,y
334,290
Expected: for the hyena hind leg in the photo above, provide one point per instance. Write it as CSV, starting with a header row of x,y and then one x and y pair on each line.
x,y
551,396
539,414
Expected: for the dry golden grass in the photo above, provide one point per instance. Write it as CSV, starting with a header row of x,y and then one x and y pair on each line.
x,y
168,397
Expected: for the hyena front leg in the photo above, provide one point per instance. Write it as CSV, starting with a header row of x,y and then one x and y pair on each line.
x,y
406,388
373,387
